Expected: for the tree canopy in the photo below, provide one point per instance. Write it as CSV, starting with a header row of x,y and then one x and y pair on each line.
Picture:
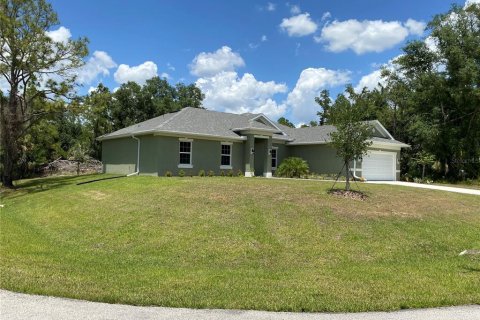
x,y
351,138
36,68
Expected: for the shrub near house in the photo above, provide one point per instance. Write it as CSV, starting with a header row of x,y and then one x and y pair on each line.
x,y
293,167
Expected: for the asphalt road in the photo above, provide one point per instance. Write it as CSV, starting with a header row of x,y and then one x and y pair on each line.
x,y
15,306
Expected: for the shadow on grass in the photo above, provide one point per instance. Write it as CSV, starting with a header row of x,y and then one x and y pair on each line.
x,y
470,268
30,186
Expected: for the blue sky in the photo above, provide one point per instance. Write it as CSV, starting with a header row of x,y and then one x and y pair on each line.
x,y
256,56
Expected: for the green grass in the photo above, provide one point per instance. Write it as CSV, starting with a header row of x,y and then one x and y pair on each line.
x,y
239,243
475,184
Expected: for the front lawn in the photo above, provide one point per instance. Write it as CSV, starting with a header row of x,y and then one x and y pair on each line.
x,y
239,243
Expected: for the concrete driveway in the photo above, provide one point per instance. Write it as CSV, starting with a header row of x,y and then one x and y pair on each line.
x,y
428,186
15,306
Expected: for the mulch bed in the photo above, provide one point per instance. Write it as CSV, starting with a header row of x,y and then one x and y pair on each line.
x,y
355,195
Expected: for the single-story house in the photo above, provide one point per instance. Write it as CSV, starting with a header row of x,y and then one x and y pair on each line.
x,y
197,139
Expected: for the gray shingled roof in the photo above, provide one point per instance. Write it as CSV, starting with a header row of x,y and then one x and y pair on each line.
x,y
195,121
320,134
203,122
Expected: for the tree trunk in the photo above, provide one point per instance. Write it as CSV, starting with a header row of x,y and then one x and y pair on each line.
x,y
9,137
347,181
395,120
78,168
423,171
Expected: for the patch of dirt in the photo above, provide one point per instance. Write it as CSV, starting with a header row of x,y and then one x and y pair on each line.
x,y
355,195
96,195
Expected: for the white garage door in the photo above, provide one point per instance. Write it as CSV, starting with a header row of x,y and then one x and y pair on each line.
x,y
379,166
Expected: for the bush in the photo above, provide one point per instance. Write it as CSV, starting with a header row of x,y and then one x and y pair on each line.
x,y
230,173
201,173
211,173
222,173
239,173
168,173
293,167
181,173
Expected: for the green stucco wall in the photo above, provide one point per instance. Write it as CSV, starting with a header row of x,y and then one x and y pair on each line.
x,y
322,159
159,154
119,155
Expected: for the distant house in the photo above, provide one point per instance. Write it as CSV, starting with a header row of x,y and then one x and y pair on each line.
x,y
197,139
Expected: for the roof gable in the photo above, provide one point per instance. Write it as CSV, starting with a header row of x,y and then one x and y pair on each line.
x,y
261,118
380,130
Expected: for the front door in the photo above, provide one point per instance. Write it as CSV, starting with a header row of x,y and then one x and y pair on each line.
x,y
260,155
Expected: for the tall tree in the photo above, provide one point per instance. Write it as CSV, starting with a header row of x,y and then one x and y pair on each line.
x,y
97,108
325,102
133,103
35,67
285,122
189,96
435,91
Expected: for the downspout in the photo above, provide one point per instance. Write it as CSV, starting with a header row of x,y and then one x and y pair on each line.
x,y
355,170
138,158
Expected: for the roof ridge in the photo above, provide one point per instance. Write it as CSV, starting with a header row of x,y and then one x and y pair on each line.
x,y
168,120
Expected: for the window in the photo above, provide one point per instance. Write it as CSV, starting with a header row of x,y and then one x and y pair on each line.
x,y
185,154
226,156
274,158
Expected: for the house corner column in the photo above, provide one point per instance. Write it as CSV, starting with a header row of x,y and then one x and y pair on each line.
x,y
249,156
267,166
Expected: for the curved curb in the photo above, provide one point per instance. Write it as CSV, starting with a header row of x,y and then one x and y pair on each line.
x,y
25,306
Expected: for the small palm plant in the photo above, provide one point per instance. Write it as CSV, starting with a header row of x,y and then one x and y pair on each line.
x,y
293,167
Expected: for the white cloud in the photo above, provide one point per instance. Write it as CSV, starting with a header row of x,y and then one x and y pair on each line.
x,y
264,38
370,81
295,9
299,25
139,74
165,75
368,35
62,34
311,82
415,27
210,63
271,6
99,63
91,89
227,91
170,67
327,15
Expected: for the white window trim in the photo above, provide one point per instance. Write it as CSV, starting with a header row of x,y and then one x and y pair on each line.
x,y
276,157
221,154
185,165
